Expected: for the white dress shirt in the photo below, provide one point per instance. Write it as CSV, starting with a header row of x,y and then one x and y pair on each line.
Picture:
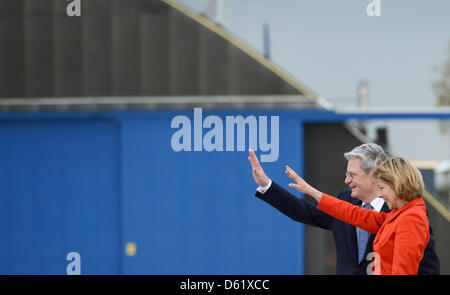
x,y
376,204
263,190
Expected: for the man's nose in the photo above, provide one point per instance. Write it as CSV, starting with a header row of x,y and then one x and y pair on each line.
x,y
347,179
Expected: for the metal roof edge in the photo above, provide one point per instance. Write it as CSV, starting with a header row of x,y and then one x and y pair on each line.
x,y
244,47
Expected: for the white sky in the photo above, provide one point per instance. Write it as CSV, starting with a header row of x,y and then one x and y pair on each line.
x,y
331,45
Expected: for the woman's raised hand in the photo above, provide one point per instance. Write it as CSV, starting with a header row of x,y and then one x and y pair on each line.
x,y
302,185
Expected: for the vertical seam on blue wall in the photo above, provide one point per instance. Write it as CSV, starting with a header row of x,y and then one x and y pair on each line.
x,y
121,197
302,174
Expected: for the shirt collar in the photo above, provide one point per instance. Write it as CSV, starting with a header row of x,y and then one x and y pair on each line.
x,y
376,204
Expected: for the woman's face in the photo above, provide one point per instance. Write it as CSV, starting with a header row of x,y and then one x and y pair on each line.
x,y
389,196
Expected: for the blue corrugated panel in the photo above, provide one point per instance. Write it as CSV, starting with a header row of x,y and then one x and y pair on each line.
x,y
92,184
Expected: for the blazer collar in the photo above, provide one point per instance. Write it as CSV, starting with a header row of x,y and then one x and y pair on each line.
x,y
396,212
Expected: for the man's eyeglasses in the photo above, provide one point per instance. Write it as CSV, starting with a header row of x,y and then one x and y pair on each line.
x,y
350,174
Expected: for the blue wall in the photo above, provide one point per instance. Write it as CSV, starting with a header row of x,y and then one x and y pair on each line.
x,y
59,192
91,183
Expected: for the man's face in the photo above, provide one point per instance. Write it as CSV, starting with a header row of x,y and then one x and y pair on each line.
x,y
360,182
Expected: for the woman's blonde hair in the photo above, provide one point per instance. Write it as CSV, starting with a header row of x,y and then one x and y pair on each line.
x,y
405,179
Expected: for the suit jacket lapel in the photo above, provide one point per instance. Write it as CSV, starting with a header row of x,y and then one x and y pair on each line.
x,y
369,247
385,208
352,233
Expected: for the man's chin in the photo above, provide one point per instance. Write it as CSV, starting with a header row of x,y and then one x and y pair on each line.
x,y
354,194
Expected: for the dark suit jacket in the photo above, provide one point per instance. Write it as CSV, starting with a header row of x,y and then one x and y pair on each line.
x,y
344,234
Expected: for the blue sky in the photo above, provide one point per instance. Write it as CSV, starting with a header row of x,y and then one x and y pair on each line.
x,y
331,45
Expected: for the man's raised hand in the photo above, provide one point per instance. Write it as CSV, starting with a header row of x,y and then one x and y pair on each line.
x,y
258,173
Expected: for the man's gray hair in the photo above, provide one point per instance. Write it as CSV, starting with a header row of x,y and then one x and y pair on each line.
x,y
369,154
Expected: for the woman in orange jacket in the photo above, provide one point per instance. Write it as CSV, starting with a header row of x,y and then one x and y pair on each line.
x,y
402,234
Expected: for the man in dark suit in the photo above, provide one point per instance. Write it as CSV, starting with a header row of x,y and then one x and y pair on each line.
x,y
353,245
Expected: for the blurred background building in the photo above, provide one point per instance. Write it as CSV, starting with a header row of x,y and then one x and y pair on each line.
x,y
86,107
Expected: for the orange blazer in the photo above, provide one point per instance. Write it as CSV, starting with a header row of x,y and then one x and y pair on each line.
x,y
401,235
